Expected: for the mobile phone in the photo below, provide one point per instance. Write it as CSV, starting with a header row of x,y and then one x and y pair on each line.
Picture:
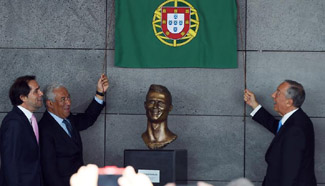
x,y
108,175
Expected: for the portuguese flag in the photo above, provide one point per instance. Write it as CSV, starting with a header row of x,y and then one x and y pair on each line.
x,y
175,33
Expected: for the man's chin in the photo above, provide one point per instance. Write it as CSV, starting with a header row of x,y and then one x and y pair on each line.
x,y
277,111
67,114
275,108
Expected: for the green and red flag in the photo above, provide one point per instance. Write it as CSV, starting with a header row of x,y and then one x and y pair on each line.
x,y
175,33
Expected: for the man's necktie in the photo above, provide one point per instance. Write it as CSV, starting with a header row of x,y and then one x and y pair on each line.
x,y
279,126
35,127
69,127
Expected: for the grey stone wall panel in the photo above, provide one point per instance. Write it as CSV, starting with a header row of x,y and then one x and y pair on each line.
x,y
194,91
110,19
286,25
65,40
93,140
2,115
266,70
52,24
241,23
77,70
257,140
215,150
319,128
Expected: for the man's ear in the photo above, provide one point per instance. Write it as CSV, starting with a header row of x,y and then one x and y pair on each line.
x,y
23,98
49,103
170,108
289,102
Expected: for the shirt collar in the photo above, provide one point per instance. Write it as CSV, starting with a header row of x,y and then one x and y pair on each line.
x,y
287,115
57,118
27,113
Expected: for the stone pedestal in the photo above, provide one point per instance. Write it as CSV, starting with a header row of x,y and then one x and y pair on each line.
x,y
162,166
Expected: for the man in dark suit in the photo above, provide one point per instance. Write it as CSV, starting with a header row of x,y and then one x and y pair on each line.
x,y
290,157
61,146
20,158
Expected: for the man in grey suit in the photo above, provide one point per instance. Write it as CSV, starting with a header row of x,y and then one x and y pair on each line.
x,y
20,156
290,157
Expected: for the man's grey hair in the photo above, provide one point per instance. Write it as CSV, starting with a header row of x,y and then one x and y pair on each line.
x,y
48,91
295,92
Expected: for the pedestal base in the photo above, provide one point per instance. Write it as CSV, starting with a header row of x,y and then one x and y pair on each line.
x,y
162,166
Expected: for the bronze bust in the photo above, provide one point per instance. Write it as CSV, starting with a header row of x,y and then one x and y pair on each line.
x,y
158,104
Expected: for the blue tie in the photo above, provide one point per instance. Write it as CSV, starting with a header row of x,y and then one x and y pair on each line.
x,y
279,126
69,127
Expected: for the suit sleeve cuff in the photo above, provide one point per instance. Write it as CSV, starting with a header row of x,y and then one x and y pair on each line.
x,y
99,101
256,110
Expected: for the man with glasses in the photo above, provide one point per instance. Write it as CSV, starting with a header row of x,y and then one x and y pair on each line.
x,y
61,145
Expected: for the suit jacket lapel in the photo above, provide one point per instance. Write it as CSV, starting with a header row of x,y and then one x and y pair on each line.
x,y
26,123
59,130
283,130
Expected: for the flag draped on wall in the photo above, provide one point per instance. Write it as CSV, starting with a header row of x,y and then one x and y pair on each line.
x,y
175,33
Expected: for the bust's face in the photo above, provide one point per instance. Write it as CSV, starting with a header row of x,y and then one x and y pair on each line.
x,y
157,107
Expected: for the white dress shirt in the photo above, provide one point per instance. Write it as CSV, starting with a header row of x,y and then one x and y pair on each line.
x,y
27,113
283,119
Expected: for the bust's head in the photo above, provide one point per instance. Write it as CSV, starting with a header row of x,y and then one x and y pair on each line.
x,y
158,103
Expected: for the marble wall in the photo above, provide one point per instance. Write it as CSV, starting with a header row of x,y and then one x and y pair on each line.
x,y
65,41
